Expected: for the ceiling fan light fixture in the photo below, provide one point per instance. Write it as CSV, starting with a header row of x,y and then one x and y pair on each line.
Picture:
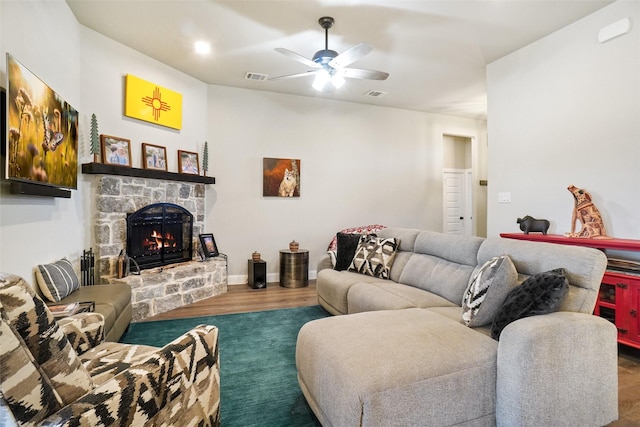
x,y
322,78
202,47
337,80
327,65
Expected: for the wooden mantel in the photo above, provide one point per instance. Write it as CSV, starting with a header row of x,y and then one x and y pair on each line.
x,y
105,169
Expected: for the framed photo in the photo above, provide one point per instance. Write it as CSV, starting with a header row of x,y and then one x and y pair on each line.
x,y
188,162
209,246
154,157
280,177
115,150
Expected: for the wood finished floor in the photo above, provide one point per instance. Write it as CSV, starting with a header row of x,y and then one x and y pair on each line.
x,y
242,299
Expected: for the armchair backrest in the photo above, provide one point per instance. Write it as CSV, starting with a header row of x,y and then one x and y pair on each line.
x,y
29,323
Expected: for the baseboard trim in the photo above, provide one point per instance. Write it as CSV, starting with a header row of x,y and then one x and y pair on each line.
x,y
243,279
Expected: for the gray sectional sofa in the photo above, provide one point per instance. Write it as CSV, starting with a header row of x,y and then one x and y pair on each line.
x,y
398,354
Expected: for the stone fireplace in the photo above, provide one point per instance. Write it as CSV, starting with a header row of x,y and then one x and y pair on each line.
x,y
158,288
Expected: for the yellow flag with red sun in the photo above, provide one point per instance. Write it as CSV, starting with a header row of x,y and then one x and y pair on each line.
x,y
152,103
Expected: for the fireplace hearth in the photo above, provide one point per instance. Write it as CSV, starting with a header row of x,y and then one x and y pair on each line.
x,y
160,234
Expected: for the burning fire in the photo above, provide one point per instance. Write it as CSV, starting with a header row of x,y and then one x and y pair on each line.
x,y
156,241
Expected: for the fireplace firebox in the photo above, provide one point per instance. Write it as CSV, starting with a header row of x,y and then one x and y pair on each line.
x,y
160,234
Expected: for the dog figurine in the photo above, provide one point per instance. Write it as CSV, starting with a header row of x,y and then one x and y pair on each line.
x,y
529,224
587,213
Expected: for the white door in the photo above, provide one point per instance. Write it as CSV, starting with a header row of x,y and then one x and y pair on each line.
x,y
454,201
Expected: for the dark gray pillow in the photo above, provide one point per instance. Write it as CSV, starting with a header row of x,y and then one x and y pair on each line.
x,y
539,294
347,243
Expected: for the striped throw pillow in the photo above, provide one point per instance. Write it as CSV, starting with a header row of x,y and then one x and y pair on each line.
x,y
57,280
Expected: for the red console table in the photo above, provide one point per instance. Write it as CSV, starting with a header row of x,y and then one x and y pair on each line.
x,y
619,297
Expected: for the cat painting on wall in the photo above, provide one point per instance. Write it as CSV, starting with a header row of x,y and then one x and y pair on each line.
x,y
281,177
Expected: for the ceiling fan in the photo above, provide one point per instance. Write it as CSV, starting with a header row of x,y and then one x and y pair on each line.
x,y
329,66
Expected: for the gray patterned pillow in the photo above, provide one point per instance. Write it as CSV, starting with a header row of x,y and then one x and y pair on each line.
x,y
57,280
374,256
487,290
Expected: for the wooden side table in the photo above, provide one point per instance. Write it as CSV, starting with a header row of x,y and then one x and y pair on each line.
x,y
294,268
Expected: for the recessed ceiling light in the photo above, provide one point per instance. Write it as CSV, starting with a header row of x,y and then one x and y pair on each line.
x,y
202,47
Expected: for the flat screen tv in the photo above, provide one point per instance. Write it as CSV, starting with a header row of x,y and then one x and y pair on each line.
x,y
42,131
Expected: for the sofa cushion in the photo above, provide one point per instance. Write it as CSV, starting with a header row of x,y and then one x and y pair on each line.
x,y
439,276
333,286
24,387
540,294
487,290
389,295
374,256
57,280
346,249
46,341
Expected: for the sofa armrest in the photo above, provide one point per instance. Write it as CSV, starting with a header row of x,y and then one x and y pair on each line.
x,y
83,330
557,369
324,262
177,385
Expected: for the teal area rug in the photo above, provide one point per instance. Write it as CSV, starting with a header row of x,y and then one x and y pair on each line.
x,y
258,378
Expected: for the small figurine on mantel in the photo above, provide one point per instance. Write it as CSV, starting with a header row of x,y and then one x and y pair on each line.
x,y
205,158
529,224
94,140
585,211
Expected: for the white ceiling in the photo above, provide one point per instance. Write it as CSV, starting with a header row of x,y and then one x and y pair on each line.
x,y
436,52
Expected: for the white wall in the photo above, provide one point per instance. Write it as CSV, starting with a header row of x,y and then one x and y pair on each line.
x,y
566,110
359,164
45,37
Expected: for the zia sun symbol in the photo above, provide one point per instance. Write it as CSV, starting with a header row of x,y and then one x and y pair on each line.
x,y
156,103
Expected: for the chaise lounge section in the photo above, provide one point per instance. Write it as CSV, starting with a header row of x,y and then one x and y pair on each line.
x,y
398,352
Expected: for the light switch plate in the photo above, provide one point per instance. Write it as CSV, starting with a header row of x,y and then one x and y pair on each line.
x,y
504,197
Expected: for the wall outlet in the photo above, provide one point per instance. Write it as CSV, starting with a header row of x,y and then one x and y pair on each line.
x,y
504,197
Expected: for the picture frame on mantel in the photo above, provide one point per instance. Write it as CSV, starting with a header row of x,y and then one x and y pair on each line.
x,y
154,157
115,150
188,162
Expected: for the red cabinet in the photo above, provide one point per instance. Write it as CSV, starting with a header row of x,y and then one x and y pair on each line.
x,y
619,297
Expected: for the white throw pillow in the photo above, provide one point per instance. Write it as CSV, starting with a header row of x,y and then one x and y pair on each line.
x,y
487,290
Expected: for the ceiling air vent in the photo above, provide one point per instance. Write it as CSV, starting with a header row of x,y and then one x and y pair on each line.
x,y
256,77
375,93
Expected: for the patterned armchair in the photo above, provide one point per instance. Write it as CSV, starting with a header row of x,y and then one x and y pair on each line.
x,y
63,374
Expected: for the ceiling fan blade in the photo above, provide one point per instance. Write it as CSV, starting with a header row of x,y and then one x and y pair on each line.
x,y
297,57
350,55
359,73
291,76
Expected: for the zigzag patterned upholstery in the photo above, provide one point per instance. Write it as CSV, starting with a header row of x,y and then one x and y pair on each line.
x,y
131,385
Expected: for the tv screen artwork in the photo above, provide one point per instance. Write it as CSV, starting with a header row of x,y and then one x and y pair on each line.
x,y
42,131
